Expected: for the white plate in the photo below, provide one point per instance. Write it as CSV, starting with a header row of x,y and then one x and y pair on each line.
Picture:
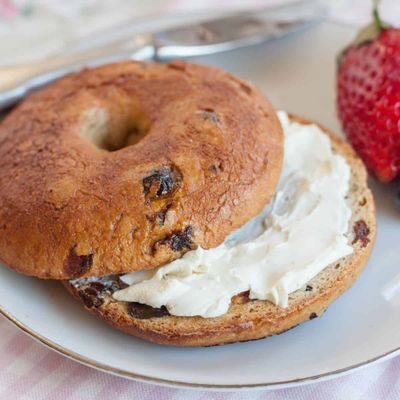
x,y
297,73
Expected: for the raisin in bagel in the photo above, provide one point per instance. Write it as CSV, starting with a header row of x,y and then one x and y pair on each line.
x,y
129,165
246,319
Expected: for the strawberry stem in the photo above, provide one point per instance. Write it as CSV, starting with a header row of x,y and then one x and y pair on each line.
x,y
377,19
379,24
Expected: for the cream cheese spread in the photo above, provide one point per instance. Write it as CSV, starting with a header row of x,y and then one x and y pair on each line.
x,y
304,231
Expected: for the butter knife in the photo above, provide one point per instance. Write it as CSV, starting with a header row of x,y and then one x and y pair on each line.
x,y
212,36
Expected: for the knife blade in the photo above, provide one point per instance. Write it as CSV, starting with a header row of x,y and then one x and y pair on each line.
x,y
211,36
237,30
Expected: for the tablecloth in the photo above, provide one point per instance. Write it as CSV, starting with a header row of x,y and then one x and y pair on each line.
x,y
35,28
29,371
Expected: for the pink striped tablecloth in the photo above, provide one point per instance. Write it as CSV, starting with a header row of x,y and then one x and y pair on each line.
x,y
29,371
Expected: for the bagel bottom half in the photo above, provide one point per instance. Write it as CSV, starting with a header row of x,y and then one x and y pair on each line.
x,y
247,319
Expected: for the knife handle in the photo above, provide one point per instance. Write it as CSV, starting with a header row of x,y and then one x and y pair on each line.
x,y
17,81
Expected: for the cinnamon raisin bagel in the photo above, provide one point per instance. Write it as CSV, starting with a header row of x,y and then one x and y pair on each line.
x,y
246,319
127,166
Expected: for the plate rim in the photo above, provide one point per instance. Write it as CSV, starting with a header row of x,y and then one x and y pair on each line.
x,y
91,363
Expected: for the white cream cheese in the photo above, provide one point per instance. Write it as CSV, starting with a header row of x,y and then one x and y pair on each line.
x,y
304,231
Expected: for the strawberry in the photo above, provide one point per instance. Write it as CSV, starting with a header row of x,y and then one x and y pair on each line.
x,y
368,97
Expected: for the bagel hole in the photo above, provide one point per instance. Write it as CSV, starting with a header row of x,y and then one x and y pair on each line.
x,y
113,131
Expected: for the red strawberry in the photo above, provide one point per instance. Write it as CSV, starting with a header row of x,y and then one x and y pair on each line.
x,y
368,98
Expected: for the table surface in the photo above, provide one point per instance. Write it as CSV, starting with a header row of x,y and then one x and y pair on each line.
x,y
30,371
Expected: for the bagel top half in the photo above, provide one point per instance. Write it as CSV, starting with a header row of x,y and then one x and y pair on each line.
x,y
128,166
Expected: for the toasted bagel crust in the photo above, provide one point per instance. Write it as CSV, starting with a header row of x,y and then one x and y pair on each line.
x,y
128,166
255,319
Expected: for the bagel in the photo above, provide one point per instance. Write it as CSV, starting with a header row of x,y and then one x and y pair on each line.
x,y
247,319
127,166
